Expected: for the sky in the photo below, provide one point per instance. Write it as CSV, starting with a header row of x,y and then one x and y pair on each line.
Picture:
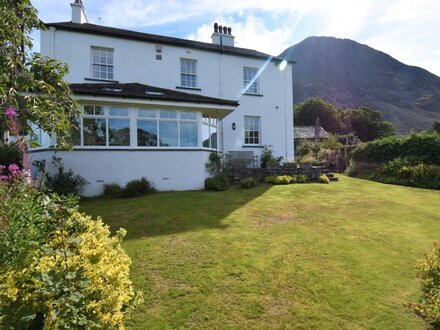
x,y
408,30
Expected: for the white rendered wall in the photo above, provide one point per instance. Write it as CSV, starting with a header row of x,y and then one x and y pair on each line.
x,y
166,170
219,75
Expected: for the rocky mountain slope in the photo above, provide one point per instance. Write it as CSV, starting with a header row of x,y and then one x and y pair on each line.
x,y
349,74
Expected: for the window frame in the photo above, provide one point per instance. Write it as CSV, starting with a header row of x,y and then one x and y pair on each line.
x,y
248,87
246,130
211,124
101,65
195,74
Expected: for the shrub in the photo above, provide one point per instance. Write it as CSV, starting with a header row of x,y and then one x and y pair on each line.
x,y
219,182
112,189
300,178
278,179
9,154
62,182
268,159
248,183
323,179
351,168
218,164
138,187
420,147
428,271
58,266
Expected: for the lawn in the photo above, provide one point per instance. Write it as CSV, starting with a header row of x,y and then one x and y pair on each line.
x,y
299,256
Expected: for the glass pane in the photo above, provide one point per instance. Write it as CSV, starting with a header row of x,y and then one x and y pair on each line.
x,y
171,114
188,134
89,110
168,134
146,133
205,136
119,132
144,113
116,111
214,137
94,132
188,115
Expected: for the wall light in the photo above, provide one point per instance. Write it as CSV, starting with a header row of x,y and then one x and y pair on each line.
x,y
234,126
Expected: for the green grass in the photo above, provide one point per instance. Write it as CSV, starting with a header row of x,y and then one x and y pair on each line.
x,y
296,256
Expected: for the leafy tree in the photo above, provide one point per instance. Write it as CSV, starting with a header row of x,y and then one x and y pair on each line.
x,y
306,113
436,126
30,83
366,123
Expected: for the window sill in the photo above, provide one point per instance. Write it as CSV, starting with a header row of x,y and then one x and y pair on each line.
x,y
253,94
191,88
105,80
252,146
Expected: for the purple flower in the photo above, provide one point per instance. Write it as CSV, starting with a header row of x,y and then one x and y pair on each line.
x,y
10,112
2,167
4,178
13,168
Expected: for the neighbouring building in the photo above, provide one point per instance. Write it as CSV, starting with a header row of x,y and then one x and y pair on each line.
x,y
156,106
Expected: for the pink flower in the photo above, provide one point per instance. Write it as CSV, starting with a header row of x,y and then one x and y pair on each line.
x,y
10,112
2,167
13,168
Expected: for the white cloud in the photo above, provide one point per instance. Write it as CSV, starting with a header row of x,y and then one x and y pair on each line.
x,y
406,29
249,33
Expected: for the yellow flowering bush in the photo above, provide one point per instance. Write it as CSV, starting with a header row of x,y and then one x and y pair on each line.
x,y
428,270
67,272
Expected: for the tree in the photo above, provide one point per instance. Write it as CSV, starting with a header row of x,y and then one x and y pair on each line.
x,y
32,84
436,127
307,112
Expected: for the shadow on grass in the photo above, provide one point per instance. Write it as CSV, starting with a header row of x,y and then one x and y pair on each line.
x,y
170,212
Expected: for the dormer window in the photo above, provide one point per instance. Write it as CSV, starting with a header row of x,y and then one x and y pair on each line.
x,y
102,63
250,81
188,73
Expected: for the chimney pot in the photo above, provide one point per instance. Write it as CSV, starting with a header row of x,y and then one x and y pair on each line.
x,y
215,27
220,29
225,30
229,30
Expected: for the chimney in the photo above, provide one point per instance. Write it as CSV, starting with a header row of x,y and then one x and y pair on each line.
x,y
78,12
222,36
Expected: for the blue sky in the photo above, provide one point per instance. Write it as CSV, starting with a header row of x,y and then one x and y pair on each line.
x,y
408,30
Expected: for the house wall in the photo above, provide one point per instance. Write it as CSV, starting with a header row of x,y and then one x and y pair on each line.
x,y
166,170
219,75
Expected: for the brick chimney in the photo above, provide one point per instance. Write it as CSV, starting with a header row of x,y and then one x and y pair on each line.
x,y
222,36
78,12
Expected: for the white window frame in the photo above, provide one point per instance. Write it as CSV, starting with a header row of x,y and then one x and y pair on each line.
x,y
191,74
246,130
102,65
251,83
211,123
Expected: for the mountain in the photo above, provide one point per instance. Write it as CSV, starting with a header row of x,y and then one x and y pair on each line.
x,y
350,74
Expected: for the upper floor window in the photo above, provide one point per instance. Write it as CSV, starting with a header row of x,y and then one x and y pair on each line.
x,y
188,73
250,80
252,130
102,63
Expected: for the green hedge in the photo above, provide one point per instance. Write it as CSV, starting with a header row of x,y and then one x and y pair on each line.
x,y
420,147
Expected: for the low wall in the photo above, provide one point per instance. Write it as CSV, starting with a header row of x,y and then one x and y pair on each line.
x,y
166,170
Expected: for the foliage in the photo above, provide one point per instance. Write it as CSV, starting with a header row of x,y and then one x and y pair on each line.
x,y
306,113
428,271
58,265
268,159
248,183
29,82
436,127
218,163
351,169
138,187
63,182
9,154
300,178
112,189
278,179
218,182
323,179
330,143
420,147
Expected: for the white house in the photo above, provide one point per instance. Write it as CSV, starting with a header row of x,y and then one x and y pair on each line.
x,y
156,106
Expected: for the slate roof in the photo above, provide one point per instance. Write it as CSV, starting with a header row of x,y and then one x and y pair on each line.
x,y
140,91
164,40
308,132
